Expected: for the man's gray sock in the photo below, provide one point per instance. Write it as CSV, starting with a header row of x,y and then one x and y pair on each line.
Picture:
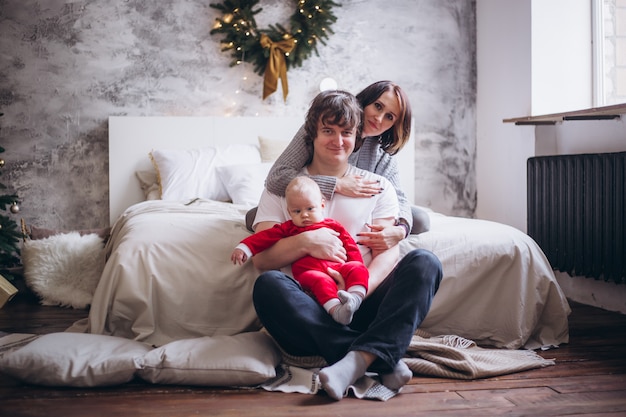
x,y
338,377
397,378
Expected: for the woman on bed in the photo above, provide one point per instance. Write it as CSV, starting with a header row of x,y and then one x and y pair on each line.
x,y
399,293
386,129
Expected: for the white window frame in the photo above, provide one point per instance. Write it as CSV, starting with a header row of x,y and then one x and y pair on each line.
x,y
607,70
597,28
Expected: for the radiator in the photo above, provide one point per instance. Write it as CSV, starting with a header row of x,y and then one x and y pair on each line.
x,y
576,213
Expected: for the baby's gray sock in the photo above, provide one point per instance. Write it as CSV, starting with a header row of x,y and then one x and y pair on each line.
x,y
350,303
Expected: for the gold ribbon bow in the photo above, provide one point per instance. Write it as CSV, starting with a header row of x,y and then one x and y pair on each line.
x,y
276,65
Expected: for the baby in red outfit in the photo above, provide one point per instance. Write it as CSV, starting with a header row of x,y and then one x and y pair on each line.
x,y
305,204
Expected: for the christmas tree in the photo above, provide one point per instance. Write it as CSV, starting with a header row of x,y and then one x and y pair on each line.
x,y
10,234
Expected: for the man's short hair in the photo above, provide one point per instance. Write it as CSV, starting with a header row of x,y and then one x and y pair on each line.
x,y
333,107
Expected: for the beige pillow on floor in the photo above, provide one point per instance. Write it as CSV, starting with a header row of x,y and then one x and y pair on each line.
x,y
74,360
241,360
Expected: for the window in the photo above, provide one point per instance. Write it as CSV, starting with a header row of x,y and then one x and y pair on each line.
x,y
609,36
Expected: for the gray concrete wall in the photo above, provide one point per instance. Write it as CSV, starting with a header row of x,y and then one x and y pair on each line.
x,y
65,67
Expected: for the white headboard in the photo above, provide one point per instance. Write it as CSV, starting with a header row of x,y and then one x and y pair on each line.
x,y
132,138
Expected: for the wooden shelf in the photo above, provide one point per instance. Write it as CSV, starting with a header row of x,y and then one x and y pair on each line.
x,y
594,113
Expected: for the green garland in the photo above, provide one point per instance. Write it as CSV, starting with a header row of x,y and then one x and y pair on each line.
x,y
310,25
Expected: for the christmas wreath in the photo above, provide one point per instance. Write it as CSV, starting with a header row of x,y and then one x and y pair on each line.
x,y
274,50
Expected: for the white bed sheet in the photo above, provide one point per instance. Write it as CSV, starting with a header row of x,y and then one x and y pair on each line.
x,y
169,277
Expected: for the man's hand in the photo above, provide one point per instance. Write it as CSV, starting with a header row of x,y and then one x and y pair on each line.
x,y
341,283
324,243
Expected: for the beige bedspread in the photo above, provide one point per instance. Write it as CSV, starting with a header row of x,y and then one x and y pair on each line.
x,y
169,277
498,289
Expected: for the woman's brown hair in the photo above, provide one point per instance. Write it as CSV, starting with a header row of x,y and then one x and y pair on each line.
x,y
394,138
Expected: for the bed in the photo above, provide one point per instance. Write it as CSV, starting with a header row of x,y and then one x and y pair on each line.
x,y
168,275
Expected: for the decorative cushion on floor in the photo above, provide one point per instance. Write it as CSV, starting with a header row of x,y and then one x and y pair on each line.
x,y
64,269
75,360
36,232
241,360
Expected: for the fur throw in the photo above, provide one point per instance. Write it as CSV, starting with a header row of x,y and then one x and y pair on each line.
x,y
64,269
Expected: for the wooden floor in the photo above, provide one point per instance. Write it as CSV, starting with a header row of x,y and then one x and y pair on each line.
x,y
589,379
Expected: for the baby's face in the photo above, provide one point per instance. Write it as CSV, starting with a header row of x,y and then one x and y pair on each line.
x,y
305,209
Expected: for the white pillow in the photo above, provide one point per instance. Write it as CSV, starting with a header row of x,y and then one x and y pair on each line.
x,y
244,183
64,269
74,359
183,173
240,360
191,173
